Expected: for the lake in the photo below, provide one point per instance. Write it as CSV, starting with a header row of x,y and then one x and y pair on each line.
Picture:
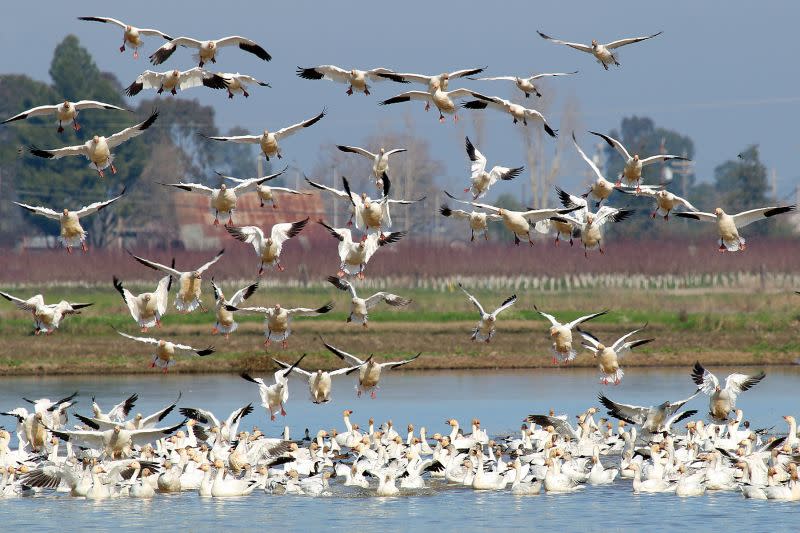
x,y
500,399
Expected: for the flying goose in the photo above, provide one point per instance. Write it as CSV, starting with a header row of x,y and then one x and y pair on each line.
x,y
478,221
132,34
172,80
485,329
222,200
369,372
338,194
600,189
237,83
518,113
480,180
632,173
442,99
319,382
722,400
72,233
380,160
589,225
189,283
354,255
518,222
728,225
228,429
46,317
354,78
526,85
98,149
564,228
268,248
602,52
278,320
374,214
267,193
164,355
665,201
207,50
117,442
607,356
651,419
562,335
139,421
269,139
273,397
440,81
66,112
225,322
359,307
118,413
147,308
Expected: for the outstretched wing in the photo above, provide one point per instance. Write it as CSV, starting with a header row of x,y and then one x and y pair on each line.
x,y
97,206
472,299
44,211
287,230
205,267
550,318
341,354
562,427
583,319
285,132
630,40
748,217
395,364
633,414
506,304
251,234
134,131
576,46
343,285
327,72
698,215
586,158
146,340
618,146
391,299
157,266
243,294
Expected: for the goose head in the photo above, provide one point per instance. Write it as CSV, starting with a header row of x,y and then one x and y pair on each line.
x,y
553,333
67,104
162,343
601,347
277,307
719,212
635,158
594,43
65,212
95,139
382,150
223,187
353,73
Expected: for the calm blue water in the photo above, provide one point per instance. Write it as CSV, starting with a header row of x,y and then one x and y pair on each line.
x,y
500,399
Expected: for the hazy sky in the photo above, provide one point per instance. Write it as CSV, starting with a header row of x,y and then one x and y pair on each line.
x,y
722,72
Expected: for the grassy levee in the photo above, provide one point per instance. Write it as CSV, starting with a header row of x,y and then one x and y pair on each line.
x,y
720,327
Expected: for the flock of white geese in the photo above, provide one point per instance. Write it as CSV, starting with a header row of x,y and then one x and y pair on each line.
x,y
111,455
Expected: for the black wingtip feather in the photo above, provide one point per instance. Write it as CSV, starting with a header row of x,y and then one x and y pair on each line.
x,y
256,50
39,153
445,210
134,88
309,73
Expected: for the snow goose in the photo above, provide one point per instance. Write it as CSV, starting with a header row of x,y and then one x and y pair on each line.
x,y
47,317
649,485
137,422
590,225
278,320
229,487
519,223
359,307
632,172
562,335
118,413
172,80
266,193
237,83
565,228
132,34
269,248
66,112
480,180
354,256
600,189
518,113
207,50
524,84
599,475
319,382
478,221
225,322
72,233
354,78
484,330
602,52
116,442
374,214
651,419
723,400
98,149
607,356
222,200
228,429
665,201
554,480
273,397
380,160
189,283
728,225
690,484
337,194
441,98
369,371
520,487
147,308
164,356
433,82
269,139
486,480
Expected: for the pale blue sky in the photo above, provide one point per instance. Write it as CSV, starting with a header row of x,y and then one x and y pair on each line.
x,y
722,72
